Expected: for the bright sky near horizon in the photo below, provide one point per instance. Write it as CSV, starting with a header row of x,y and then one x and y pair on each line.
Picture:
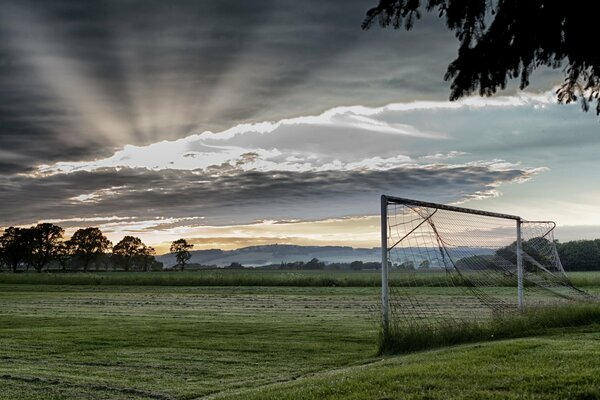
x,y
236,123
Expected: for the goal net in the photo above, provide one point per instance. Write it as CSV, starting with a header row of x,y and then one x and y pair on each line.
x,y
445,264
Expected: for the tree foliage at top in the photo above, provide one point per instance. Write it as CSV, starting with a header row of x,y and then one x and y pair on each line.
x,y
14,247
45,244
36,246
132,251
506,39
88,244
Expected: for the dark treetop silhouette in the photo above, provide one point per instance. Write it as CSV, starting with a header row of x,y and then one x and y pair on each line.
x,y
181,249
131,251
89,244
506,39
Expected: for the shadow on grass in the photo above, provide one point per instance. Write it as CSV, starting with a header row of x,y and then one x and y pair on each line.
x,y
409,338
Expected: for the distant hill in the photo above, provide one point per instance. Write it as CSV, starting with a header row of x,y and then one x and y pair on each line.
x,y
276,254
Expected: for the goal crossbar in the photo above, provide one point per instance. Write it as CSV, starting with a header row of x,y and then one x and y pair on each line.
x,y
418,203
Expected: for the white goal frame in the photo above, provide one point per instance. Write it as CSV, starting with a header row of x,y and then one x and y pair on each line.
x,y
386,200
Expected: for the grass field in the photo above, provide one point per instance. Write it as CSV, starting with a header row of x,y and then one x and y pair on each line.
x,y
562,364
165,342
221,277
255,342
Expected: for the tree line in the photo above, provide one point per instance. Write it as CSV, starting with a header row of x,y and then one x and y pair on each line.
x,y
580,255
576,255
43,246
316,264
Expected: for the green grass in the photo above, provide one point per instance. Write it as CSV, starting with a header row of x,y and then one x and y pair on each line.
x,y
405,338
122,341
169,342
562,364
221,277
214,277
585,279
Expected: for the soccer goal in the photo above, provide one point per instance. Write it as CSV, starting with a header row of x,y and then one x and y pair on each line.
x,y
444,264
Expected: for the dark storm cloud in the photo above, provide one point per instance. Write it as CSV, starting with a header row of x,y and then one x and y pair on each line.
x,y
78,79
236,197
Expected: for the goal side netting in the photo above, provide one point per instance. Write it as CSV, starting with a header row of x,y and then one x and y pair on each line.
x,y
449,264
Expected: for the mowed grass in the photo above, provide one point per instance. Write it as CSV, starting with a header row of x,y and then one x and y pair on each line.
x,y
169,342
562,364
260,342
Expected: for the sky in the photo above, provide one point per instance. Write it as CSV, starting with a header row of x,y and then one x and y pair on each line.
x,y
233,123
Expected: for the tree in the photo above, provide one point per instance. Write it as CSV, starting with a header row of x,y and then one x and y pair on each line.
x,y
88,245
145,260
356,265
425,264
531,248
314,264
14,246
130,251
44,242
506,39
476,262
580,255
181,249
63,254
407,266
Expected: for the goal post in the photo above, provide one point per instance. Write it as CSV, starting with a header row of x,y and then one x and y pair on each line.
x,y
519,267
443,263
385,304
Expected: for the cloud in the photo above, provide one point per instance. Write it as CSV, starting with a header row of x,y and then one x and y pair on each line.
x,y
327,141
78,81
334,164
241,196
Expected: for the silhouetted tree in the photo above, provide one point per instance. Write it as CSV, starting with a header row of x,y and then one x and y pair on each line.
x,y
407,265
89,245
44,241
145,260
507,39
63,254
131,251
315,264
14,246
181,249
372,265
356,265
155,265
476,262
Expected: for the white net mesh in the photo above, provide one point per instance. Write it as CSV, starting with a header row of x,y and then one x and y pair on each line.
x,y
449,266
